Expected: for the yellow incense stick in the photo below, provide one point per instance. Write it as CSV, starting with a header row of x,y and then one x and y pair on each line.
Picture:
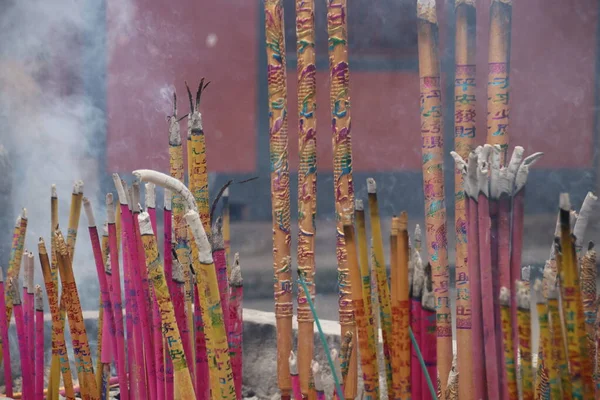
x,y
383,290
561,386
16,253
524,317
76,323
156,276
74,215
544,363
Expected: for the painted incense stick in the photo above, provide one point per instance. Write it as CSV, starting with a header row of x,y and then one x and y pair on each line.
x,y
365,275
39,343
26,374
498,108
368,359
168,272
116,298
307,177
81,346
544,362
562,383
227,228
54,377
524,314
433,179
26,322
280,187
403,307
296,390
464,135
200,350
510,363
30,293
588,276
395,343
428,331
8,386
59,348
383,290
182,376
339,97
218,252
587,211
16,255
236,322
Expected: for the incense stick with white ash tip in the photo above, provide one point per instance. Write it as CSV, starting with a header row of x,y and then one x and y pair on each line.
x,y
588,211
296,390
544,361
236,322
524,314
510,359
5,340
39,343
318,379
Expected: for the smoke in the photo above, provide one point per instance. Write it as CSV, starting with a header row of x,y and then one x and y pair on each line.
x,y
52,108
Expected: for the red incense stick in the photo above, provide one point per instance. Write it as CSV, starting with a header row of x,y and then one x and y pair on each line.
x,y
428,331
39,344
236,322
295,378
218,247
5,342
21,335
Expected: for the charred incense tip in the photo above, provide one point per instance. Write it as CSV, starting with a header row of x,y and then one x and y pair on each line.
x,y
14,290
235,278
39,299
428,298
216,238
523,295
204,249
472,174
395,226
371,186
318,377
18,222
145,224
174,131
150,195
110,209
168,199
78,187
108,266
504,297
293,363
359,205
507,2
590,246
565,202
87,206
53,191
120,189
426,11
461,164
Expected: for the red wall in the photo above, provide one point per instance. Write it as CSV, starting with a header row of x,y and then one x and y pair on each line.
x,y
552,80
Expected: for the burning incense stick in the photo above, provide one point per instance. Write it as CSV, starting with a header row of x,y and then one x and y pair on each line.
x,y
16,254
498,75
280,187
296,390
116,298
545,345
227,228
510,363
74,214
21,335
5,342
236,322
59,348
464,134
30,308
218,252
368,358
524,314
39,343
383,291
307,177
182,375
433,178
587,211
76,323
168,260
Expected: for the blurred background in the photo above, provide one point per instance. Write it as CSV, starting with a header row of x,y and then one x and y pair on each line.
x,y
87,85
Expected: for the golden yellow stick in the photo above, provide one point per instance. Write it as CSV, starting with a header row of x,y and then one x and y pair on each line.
x,y
524,317
76,323
307,179
16,255
589,300
156,276
54,378
99,366
464,135
187,273
509,354
383,290
222,386
498,107
75,213
544,363
280,187
433,180
368,359
59,347
339,96
560,381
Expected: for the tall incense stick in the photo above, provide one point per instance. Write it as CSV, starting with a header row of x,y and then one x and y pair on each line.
x,y
433,179
280,187
307,178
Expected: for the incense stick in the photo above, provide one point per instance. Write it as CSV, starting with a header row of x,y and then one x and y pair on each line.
x,y
39,343
428,330
510,361
586,213
498,75
383,290
16,255
560,380
433,178
307,177
524,314
21,335
544,362
236,322
418,385
5,341
168,260
296,390
464,134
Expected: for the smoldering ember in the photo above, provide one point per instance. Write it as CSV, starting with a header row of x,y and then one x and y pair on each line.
x,y
197,271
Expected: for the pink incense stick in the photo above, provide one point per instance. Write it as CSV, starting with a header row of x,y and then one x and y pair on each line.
x,y
236,323
296,390
31,318
416,381
220,260
5,341
116,297
487,285
143,294
39,343
428,331
21,335
168,258
202,384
